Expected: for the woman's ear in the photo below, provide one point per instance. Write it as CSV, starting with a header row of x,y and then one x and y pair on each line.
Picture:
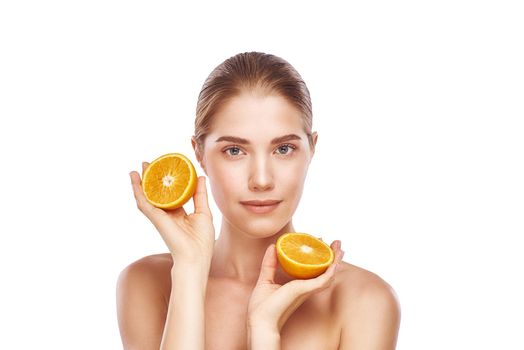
x,y
314,138
198,154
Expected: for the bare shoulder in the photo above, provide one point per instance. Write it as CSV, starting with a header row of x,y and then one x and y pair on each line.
x,y
355,284
151,272
151,265
142,295
368,307
150,261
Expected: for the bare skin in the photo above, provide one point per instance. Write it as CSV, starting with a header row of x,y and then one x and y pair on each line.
x,y
358,303
232,292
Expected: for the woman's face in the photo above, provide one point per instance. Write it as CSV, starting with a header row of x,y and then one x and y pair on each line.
x,y
256,157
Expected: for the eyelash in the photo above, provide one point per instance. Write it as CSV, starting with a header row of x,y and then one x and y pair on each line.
x,y
293,148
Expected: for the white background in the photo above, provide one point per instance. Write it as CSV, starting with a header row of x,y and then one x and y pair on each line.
x,y
419,164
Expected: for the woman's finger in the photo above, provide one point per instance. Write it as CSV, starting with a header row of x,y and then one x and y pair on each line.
x,y
200,197
144,167
269,266
339,253
157,216
337,249
143,205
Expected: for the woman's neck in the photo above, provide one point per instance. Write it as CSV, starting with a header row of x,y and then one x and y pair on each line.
x,y
238,256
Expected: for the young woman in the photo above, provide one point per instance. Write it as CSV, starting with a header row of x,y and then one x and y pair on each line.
x,y
253,140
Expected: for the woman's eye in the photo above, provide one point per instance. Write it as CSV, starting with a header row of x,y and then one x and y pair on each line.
x,y
233,151
285,149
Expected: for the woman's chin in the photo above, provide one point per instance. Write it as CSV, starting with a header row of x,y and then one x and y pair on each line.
x,y
255,225
263,229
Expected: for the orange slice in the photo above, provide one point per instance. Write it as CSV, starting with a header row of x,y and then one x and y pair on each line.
x,y
169,181
302,255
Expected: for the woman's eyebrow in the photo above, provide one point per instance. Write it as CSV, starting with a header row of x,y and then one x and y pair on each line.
x,y
242,141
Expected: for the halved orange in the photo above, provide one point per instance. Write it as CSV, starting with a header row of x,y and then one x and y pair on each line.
x,y
169,181
302,255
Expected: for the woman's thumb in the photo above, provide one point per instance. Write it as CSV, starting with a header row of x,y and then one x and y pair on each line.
x,y
269,265
200,197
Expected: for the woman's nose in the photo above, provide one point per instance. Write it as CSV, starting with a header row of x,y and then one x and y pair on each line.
x,y
260,178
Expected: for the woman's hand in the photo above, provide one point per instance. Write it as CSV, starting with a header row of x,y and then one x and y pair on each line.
x,y
189,238
271,304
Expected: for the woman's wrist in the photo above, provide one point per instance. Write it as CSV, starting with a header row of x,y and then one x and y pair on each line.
x,y
261,337
189,273
195,266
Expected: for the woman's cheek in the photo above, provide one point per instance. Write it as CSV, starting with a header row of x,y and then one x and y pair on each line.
x,y
294,178
226,178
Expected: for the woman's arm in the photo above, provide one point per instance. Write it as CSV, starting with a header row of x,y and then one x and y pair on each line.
x,y
185,321
145,321
190,239
141,307
263,338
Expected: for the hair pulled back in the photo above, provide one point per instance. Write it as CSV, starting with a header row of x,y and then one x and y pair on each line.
x,y
248,72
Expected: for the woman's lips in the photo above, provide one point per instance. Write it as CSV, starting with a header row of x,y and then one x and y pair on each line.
x,y
261,207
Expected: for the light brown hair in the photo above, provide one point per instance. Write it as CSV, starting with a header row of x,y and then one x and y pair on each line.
x,y
250,71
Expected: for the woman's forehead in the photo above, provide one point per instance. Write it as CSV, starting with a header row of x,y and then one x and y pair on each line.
x,y
257,115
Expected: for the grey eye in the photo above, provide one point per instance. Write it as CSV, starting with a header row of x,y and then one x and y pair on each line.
x,y
233,151
284,149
